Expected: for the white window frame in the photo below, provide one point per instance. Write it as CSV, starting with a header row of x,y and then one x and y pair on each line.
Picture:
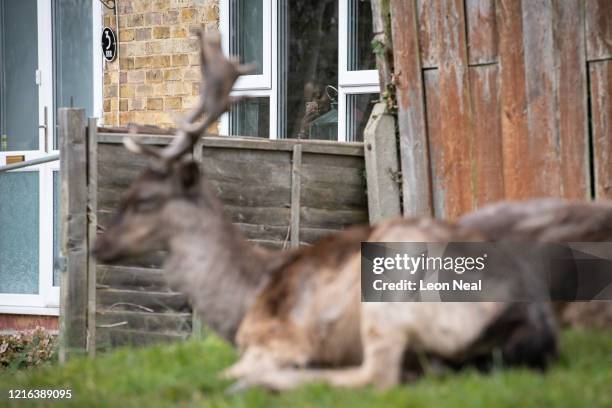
x,y
46,302
349,82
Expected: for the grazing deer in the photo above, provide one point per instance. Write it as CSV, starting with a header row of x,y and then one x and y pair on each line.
x,y
295,309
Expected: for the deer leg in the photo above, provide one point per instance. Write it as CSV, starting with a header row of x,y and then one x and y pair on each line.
x,y
384,345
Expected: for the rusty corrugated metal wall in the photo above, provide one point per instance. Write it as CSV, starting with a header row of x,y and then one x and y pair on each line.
x,y
502,99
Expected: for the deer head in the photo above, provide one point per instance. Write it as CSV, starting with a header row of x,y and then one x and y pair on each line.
x,y
165,195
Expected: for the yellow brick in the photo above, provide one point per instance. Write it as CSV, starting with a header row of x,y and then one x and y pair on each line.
x,y
178,32
173,103
172,74
161,32
135,77
127,91
143,90
192,74
127,34
136,104
123,105
126,63
188,15
106,105
180,60
160,61
154,75
142,34
142,62
155,104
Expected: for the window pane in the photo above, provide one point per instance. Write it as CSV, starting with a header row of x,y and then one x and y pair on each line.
x,y
358,110
251,117
73,59
18,65
360,35
246,32
56,228
308,68
19,237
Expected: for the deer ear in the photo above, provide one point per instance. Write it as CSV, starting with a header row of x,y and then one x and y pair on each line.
x,y
189,174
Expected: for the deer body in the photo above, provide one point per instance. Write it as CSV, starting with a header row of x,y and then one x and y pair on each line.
x,y
297,309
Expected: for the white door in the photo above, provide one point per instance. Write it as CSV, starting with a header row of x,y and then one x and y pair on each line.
x,y
27,132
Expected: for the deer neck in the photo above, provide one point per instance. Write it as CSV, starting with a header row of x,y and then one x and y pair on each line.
x,y
212,262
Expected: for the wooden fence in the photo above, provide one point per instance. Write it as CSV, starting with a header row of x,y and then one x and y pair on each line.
x,y
280,193
502,99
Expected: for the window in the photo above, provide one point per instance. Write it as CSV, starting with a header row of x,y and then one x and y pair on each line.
x,y
314,75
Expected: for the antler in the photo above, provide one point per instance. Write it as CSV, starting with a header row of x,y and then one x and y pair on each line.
x,y
218,77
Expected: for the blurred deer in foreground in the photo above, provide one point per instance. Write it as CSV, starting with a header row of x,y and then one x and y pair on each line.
x,y
291,310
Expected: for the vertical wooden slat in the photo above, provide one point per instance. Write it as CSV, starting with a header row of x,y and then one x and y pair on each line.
x,y
92,226
455,109
513,98
296,188
601,114
74,288
482,31
429,38
571,87
598,29
416,183
434,135
542,169
487,153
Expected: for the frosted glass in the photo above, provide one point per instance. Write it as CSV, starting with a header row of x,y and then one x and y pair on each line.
x,y
18,64
19,235
56,228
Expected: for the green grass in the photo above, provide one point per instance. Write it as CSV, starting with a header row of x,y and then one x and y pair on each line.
x,y
185,374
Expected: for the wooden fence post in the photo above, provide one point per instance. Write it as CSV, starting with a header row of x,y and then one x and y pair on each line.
x,y
92,226
296,189
382,165
74,248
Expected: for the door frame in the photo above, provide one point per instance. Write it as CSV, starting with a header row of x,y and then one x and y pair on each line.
x,y
46,302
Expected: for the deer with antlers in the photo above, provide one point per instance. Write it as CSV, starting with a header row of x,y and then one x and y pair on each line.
x,y
291,310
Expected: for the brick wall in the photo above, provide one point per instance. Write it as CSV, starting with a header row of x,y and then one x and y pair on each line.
x,y
156,73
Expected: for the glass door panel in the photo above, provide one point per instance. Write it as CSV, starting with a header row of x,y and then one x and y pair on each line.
x,y
19,64
19,232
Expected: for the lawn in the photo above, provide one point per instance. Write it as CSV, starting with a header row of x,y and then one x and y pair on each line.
x,y
185,374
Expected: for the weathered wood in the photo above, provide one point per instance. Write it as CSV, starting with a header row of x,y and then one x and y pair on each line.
x,y
382,166
487,147
455,110
74,245
513,98
92,207
481,31
428,35
598,29
601,113
434,133
381,25
571,95
541,171
411,115
233,142
108,338
138,320
131,277
136,300
296,188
